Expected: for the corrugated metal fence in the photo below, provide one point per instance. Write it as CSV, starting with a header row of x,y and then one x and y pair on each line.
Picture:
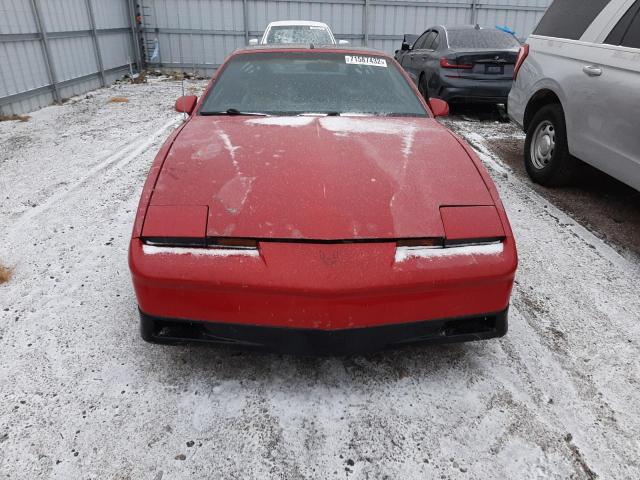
x,y
54,49
198,34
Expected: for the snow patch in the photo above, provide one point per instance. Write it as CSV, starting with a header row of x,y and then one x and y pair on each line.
x,y
208,152
405,253
282,121
230,147
208,252
119,159
386,126
479,145
234,193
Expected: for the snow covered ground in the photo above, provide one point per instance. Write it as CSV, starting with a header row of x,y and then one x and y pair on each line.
x,y
82,396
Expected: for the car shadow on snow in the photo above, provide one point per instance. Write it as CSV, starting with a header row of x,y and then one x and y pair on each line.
x,y
222,363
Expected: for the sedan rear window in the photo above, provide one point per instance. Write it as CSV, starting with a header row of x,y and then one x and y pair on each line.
x,y
294,83
480,38
302,34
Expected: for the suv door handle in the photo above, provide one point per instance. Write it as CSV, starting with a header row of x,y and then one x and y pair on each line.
x,y
592,70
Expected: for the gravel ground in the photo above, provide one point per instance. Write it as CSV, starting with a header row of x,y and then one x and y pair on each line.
x,y
84,397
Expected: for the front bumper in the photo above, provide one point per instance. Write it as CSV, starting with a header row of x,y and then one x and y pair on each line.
x,y
299,341
321,287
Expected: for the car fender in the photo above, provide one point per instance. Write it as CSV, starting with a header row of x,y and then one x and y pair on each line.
x,y
533,78
547,84
152,177
488,182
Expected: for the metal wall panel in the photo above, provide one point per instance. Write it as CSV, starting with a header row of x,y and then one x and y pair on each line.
x,y
16,17
64,15
199,34
116,49
110,13
48,51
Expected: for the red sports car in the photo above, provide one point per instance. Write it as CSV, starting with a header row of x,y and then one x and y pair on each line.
x,y
312,204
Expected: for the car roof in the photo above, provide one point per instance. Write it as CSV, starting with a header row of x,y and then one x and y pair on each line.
x,y
287,23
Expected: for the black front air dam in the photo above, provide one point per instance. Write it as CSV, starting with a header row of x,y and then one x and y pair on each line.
x,y
324,342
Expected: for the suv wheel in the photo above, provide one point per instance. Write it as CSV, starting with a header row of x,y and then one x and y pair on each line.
x,y
546,152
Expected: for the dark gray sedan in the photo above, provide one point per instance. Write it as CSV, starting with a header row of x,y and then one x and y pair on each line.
x,y
465,64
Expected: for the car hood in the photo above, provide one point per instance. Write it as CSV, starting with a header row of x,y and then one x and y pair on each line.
x,y
319,178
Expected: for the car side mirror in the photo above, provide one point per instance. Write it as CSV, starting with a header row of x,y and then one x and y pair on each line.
x,y
405,47
439,107
343,42
186,104
253,41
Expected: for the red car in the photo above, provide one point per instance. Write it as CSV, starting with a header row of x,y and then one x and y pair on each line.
x,y
312,204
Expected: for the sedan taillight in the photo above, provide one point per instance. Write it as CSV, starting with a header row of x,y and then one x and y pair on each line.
x,y
451,63
522,56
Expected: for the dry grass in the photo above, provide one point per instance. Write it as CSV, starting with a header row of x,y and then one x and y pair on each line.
x,y
119,100
14,118
140,78
5,274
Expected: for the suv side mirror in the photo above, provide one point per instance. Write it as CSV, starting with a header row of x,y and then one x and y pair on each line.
x,y
253,41
439,107
186,104
405,47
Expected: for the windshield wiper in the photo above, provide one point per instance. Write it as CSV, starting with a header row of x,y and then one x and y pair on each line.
x,y
326,114
235,111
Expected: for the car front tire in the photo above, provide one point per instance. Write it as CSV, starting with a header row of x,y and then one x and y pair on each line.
x,y
546,151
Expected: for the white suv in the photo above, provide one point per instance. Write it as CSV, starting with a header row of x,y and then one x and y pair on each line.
x,y
576,91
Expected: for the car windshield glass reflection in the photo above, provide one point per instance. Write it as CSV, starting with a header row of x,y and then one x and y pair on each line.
x,y
291,83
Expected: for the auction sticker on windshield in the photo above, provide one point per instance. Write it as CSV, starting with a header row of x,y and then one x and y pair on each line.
x,y
359,60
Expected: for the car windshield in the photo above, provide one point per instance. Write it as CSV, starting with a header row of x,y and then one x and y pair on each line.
x,y
294,83
299,34
472,38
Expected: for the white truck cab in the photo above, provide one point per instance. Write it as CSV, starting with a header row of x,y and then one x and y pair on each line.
x,y
576,91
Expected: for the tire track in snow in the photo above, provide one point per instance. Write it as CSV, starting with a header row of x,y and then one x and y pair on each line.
x,y
572,385
120,158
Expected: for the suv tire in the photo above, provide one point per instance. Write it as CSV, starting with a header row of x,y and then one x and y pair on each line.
x,y
546,152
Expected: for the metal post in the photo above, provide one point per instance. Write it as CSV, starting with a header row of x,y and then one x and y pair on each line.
x,y
365,22
245,20
134,34
96,45
474,12
35,7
